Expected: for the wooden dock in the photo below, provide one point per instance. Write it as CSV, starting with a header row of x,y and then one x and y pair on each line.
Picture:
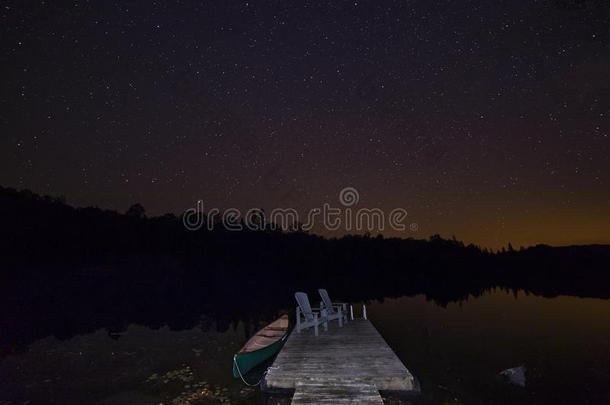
x,y
347,365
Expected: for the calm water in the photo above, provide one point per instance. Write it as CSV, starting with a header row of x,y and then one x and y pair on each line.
x,y
456,352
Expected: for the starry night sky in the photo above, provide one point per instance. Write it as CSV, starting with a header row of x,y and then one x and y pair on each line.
x,y
486,120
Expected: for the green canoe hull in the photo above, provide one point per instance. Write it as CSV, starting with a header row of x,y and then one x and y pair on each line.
x,y
248,361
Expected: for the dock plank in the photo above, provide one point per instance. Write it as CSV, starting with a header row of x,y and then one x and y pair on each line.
x,y
340,362
336,393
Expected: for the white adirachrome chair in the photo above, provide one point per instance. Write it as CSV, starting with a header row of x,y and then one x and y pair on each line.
x,y
334,310
306,317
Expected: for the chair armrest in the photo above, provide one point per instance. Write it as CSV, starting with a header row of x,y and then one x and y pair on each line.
x,y
318,313
335,305
300,313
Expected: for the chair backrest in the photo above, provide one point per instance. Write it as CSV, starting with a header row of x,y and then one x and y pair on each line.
x,y
303,301
328,304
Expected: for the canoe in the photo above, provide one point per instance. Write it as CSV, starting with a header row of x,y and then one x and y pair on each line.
x,y
262,346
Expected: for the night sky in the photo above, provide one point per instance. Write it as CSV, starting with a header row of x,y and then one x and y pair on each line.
x,y
489,121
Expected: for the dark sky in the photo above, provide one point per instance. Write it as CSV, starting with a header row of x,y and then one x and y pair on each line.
x,y
487,120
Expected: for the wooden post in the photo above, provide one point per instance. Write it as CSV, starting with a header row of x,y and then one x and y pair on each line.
x,y
364,311
351,312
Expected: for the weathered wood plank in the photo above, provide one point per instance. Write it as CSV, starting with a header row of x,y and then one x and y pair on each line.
x,y
336,393
351,355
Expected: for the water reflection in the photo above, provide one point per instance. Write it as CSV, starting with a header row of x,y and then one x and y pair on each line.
x,y
457,351
142,366
135,346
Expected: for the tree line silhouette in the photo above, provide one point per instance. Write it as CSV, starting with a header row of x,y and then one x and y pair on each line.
x,y
45,233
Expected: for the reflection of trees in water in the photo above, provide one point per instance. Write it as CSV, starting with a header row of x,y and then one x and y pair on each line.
x,y
67,306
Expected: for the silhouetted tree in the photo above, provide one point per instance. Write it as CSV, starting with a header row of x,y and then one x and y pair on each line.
x,y
136,210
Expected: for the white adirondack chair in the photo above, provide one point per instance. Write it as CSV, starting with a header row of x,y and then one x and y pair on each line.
x,y
334,310
306,317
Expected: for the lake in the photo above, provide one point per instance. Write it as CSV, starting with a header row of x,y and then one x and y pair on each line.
x,y
456,351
